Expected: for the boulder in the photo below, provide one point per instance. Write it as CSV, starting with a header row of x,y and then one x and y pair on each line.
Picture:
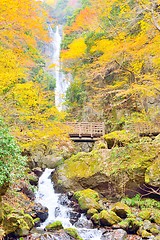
x,y
87,199
73,233
108,218
91,212
17,223
121,209
118,234
120,172
40,212
57,225
130,225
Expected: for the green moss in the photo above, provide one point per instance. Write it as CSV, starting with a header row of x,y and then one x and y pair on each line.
x,y
87,199
57,225
119,137
82,165
145,234
73,233
152,174
95,219
91,212
121,209
131,225
108,218
145,214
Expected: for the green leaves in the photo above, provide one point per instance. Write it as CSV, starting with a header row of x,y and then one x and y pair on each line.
x,y
11,160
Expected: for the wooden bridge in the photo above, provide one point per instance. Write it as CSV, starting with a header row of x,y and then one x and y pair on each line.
x,y
146,129
86,131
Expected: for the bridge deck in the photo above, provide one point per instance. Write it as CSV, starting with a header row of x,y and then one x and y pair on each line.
x,y
86,131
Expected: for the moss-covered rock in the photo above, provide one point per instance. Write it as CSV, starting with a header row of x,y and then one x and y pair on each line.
x,y
96,219
145,234
73,233
109,172
119,138
121,209
152,174
145,214
87,199
108,218
91,212
155,216
131,225
18,223
57,225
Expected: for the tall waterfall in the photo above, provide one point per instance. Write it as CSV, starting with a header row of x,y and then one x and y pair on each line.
x,y
62,80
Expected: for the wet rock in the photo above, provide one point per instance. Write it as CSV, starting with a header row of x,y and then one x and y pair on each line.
x,y
38,171
119,234
83,223
95,219
121,209
63,200
40,212
74,216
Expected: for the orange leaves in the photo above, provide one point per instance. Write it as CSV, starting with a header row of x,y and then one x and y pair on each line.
x,y
85,20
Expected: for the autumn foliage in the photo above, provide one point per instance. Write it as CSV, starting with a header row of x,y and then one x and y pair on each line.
x,y
25,102
120,58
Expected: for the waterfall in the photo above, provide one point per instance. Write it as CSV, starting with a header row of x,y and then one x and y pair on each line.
x,y
62,80
59,211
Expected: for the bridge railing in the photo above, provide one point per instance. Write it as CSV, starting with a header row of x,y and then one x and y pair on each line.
x,y
92,129
147,128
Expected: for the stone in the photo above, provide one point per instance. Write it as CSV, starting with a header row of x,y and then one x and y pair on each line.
x,y
57,225
130,225
121,209
73,233
87,199
120,234
33,179
38,171
145,214
95,219
91,212
145,234
40,212
108,218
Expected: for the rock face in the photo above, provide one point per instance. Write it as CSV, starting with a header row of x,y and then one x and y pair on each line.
x,y
152,174
112,173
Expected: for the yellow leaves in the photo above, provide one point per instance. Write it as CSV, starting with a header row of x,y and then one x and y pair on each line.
x,y
76,50
10,70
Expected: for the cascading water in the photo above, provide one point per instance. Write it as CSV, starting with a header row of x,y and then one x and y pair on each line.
x,y
62,81
58,211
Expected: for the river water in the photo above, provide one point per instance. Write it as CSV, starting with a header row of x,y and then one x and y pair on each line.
x,y
47,196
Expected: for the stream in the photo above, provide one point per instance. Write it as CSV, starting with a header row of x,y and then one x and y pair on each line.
x,y
58,209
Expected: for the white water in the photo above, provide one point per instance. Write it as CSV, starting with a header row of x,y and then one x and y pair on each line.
x,y
48,198
62,81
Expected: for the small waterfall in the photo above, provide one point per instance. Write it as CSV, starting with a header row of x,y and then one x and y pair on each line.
x,y
62,80
59,211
